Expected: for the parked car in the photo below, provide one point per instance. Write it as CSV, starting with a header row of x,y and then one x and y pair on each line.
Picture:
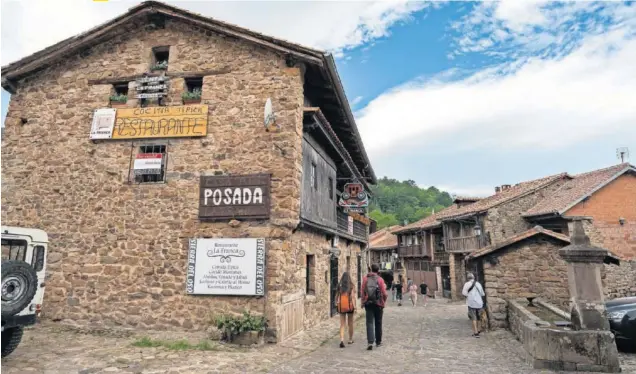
x,y
622,318
23,271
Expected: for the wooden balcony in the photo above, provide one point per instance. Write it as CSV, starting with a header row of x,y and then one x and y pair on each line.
x,y
359,230
466,243
417,250
440,258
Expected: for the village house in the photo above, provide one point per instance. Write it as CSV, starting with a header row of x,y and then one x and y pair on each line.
x,y
383,247
185,168
605,198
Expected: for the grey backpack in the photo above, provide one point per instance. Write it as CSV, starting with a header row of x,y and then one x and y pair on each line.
x,y
373,290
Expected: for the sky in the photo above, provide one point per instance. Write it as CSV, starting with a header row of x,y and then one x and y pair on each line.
x,y
463,96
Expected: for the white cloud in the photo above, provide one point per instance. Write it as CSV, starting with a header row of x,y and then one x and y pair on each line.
x,y
536,101
356,101
467,191
333,26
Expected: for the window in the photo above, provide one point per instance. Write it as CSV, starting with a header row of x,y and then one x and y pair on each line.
x,y
160,55
313,176
330,188
14,249
194,84
38,258
121,88
311,275
145,167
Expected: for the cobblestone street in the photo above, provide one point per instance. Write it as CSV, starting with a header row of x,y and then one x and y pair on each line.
x,y
432,339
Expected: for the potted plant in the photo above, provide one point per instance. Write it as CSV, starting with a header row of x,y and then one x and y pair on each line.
x,y
247,329
118,101
191,97
159,65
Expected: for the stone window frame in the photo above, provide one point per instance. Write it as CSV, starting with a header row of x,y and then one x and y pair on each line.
x,y
132,178
160,50
310,274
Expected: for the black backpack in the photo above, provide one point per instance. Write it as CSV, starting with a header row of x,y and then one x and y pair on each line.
x,y
373,290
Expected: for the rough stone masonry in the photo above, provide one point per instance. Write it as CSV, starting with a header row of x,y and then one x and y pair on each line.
x,y
118,250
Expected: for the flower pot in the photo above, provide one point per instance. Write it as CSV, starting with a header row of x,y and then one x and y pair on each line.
x,y
248,338
191,101
118,104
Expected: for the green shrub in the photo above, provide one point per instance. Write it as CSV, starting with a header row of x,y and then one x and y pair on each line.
x,y
119,98
231,325
192,95
160,65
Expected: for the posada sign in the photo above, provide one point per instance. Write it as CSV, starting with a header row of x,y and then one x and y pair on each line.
x,y
234,196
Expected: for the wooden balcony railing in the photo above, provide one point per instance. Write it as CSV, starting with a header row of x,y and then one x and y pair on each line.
x,y
466,243
441,257
359,231
417,250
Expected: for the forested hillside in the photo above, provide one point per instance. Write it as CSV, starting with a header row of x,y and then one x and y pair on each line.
x,y
394,202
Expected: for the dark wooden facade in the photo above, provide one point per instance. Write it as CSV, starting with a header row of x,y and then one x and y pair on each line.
x,y
318,197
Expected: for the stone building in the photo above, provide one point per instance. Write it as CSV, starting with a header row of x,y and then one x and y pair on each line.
x,y
131,184
383,248
605,197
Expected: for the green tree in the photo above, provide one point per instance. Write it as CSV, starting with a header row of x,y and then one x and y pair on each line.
x,y
393,202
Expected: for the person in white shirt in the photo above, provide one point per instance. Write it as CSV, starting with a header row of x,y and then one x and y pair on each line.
x,y
474,293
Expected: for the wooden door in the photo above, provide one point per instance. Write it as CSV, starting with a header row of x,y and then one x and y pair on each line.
x,y
333,269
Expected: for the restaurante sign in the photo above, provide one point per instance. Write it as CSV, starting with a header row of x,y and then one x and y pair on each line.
x,y
234,196
161,122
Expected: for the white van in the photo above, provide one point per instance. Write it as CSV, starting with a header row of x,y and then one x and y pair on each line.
x,y
23,270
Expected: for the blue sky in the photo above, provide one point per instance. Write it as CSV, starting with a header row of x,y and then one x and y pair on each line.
x,y
461,95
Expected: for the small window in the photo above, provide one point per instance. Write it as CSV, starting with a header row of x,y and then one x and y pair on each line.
x,y
160,55
311,275
330,188
38,258
147,171
194,84
121,88
14,249
314,177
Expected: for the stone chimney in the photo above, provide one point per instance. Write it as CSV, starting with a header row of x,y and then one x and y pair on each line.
x,y
497,189
505,187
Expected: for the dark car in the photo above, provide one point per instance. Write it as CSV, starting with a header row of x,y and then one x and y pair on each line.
x,y
622,318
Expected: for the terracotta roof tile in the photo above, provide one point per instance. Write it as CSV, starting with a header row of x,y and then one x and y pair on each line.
x,y
517,238
467,198
383,238
576,189
428,222
512,193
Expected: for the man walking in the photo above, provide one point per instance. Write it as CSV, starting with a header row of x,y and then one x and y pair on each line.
x,y
474,293
374,296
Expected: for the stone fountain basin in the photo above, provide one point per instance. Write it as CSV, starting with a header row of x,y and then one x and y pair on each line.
x,y
560,348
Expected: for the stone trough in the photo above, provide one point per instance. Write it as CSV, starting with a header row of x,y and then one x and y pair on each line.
x,y
556,347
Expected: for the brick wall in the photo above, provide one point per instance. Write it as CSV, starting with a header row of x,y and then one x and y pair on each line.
x,y
606,206
530,267
118,251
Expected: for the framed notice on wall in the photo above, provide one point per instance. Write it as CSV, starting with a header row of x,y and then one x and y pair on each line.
x,y
226,266
103,122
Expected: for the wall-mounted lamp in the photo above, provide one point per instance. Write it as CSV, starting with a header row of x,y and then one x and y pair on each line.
x,y
621,221
477,230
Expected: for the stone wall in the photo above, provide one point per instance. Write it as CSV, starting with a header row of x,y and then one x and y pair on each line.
x,y
619,281
505,220
530,267
118,251
458,275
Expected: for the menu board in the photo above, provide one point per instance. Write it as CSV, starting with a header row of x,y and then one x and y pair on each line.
x,y
226,266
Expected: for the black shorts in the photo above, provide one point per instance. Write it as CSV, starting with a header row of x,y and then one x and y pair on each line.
x,y
474,314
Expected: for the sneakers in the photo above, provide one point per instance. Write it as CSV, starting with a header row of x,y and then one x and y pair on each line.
x,y
342,345
476,335
370,347
378,345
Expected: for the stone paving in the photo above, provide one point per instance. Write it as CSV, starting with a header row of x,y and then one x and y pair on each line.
x,y
431,339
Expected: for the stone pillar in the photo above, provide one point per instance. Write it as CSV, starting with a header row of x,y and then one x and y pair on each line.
x,y
453,280
584,261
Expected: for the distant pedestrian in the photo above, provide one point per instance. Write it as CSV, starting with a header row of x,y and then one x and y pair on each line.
x,y
424,291
374,297
345,304
399,288
413,293
474,293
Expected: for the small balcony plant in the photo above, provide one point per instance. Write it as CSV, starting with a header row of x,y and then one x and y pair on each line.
x,y
191,97
118,100
159,65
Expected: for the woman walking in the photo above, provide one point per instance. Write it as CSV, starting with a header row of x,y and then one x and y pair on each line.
x,y
345,303
413,293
